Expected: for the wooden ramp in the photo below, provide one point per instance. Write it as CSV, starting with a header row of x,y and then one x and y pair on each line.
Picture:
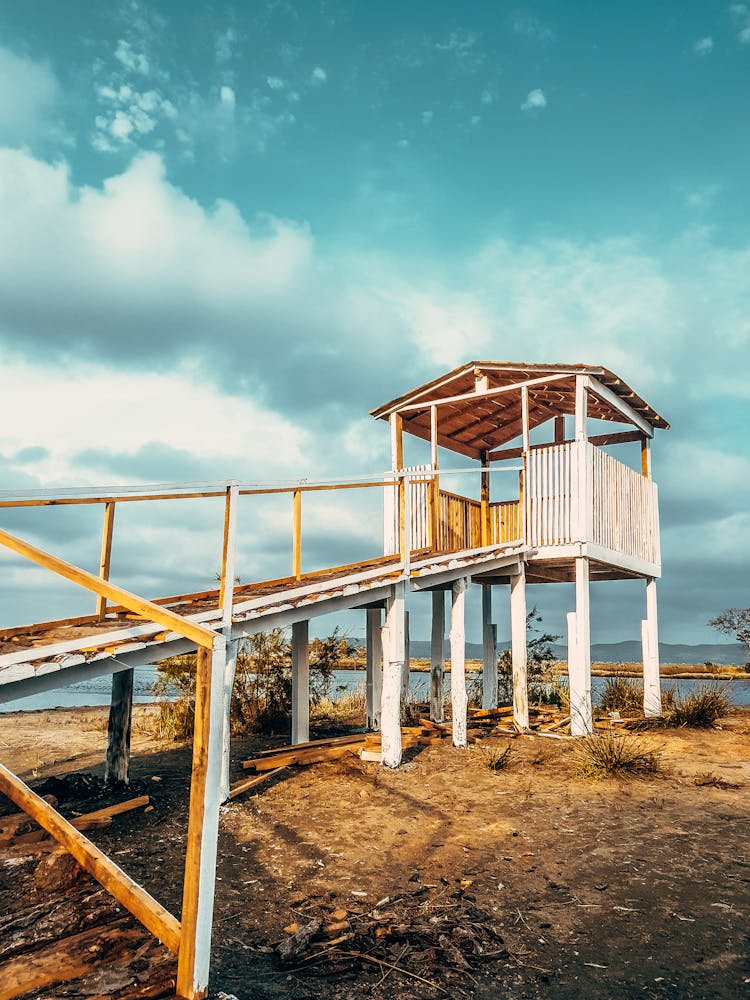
x,y
52,654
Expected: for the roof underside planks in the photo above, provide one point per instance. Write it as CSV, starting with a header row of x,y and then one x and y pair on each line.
x,y
480,423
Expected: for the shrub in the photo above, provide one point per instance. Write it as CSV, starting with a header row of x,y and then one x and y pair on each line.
x,y
622,694
494,758
700,709
603,755
544,685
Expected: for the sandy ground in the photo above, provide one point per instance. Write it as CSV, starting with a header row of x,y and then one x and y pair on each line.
x,y
599,889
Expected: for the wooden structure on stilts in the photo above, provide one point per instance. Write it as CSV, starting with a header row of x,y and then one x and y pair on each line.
x,y
572,513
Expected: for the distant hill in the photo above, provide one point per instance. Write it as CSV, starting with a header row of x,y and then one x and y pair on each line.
x,y
629,651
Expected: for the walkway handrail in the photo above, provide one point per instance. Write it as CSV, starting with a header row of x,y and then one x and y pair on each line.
x,y
198,634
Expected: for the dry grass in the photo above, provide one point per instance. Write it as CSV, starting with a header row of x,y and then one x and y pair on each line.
x,y
347,707
494,758
700,709
605,755
622,694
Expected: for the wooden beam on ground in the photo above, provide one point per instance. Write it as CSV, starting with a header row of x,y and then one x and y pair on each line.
x,y
146,609
122,887
245,784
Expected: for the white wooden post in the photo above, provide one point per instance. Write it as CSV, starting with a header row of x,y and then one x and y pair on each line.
x,y
525,417
393,665
230,668
374,675
579,667
650,637
459,700
489,655
519,653
437,658
582,501
300,682
203,825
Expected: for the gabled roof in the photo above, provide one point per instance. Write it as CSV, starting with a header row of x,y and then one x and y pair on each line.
x,y
476,421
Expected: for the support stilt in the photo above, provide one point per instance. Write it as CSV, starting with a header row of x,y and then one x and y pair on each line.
x,y
405,676
374,677
203,825
459,700
118,728
393,665
579,667
437,658
650,639
230,668
489,647
300,682
518,640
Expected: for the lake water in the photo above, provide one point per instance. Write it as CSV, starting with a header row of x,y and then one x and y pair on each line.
x,y
96,691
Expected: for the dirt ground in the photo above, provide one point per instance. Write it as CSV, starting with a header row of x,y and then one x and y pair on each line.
x,y
598,889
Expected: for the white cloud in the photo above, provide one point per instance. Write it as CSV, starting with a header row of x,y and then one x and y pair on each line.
x,y
137,62
486,97
535,101
227,98
740,15
427,117
704,46
29,93
275,82
318,75
531,27
224,46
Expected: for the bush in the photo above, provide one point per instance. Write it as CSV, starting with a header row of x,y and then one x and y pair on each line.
x,y
545,687
494,758
262,693
622,694
603,755
700,709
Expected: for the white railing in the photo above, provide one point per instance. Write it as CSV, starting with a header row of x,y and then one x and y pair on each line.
x,y
576,492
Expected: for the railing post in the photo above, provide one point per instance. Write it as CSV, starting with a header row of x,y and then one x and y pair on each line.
x,y
485,499
106,557
297,537
406,523
226,578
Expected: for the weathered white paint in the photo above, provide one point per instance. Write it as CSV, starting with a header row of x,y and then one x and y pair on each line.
x,y
437,657
374,662
489,646
518,648
208,834
459,699
579,667
393,665
228,555
650,635
230,668
300,682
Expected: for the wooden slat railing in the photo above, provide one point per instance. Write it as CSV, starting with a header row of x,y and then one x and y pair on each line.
x,y
624,508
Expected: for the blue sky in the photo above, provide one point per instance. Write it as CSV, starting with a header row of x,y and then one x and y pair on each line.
x,y
231,230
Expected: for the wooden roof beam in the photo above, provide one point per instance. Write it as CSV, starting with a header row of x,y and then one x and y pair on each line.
x,y
619,404
484,394
417,430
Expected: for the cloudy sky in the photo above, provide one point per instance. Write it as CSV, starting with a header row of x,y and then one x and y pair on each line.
x,y
228,231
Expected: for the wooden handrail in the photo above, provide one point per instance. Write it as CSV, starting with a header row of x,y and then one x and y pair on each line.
x,y
132,896
146,609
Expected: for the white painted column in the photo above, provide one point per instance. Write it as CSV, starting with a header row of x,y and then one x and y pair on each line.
x,y
437,657
203,826
489,651
650,639
579,666
407,661
230,668
374,681
300,682
459,699
519,653
393,665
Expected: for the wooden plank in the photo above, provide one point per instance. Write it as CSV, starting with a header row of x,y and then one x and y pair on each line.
x,y
297,536
618,403
151,612
122,887
473,396
106,556
226,576
91,818
245,784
